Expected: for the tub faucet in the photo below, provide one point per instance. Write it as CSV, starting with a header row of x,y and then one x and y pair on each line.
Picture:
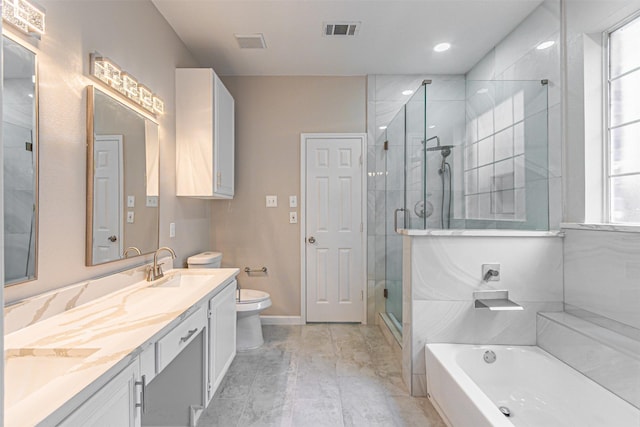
x,y
489,274
154,271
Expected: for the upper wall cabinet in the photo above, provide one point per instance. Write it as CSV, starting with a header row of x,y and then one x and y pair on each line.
x,y
204,135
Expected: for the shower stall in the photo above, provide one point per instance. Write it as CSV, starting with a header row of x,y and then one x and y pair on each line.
x,y
475,161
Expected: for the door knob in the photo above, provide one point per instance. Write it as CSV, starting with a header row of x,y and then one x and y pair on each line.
x,y
112,238
312,239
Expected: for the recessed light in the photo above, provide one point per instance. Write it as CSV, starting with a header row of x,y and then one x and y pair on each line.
x,y
407,92
382,127
545,45
482,90
441,47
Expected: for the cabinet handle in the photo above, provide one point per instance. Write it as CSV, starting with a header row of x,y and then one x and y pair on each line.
x,y
142,405
189,334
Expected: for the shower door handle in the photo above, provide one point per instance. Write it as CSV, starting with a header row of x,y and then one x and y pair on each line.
x,y
395,218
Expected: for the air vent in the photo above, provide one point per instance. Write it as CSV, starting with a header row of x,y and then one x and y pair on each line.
x,y
341,29
251,41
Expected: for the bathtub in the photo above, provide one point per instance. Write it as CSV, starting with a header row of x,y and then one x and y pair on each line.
x,y
536,388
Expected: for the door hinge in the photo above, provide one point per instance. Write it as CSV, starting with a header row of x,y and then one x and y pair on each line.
x,y
209,314
209,387
360,160
361,295
385,293
386,146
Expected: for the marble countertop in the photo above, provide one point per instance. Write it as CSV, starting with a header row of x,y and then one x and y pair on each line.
x,y
91,343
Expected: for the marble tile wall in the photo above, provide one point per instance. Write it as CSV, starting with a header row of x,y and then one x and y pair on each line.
x,y
601,273
516,58
608,358
441,274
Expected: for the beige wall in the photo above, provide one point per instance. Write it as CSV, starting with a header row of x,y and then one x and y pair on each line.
x,y
271,113
74,29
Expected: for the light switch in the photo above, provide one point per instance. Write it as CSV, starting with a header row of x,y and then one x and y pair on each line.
x,y
172,229
130,217
272,201
131,201
152,201
293,217
293,201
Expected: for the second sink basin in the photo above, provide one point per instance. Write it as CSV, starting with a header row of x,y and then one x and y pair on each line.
x,y
29,369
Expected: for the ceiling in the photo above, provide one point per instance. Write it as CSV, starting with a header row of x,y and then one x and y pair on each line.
x,y
395,36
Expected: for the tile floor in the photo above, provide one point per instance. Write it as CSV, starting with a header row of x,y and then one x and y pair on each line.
x,y
318,375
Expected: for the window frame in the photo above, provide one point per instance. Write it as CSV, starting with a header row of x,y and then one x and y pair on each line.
x,y
606,146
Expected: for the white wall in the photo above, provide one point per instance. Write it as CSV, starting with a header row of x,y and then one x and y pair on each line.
x,y
136,36
441,274
601,274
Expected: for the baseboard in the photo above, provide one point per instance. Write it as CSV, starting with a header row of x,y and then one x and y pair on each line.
x,y
282,320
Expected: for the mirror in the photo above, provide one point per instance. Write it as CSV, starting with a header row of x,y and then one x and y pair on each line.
x,y
122,180
20,162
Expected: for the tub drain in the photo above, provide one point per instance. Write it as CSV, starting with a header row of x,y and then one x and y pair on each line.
x,y
505,411
489,356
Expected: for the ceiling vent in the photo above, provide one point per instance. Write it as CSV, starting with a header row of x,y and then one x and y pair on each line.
x,y
341,29
251,41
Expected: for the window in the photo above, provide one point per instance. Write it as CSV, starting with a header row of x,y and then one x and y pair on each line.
x,y
623,165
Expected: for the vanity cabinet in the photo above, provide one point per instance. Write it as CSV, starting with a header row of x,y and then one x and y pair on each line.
x,y
222,336
205,135
118,403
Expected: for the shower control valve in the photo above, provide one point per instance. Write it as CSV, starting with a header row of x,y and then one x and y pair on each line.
x,y
491,272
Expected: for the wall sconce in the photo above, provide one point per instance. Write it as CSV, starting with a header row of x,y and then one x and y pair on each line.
x,y
24,16
109,73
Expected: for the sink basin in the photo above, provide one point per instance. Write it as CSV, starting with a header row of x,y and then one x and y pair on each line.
x,y
179,279
28,369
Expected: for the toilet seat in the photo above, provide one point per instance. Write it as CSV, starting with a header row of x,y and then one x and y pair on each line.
x,y
253,300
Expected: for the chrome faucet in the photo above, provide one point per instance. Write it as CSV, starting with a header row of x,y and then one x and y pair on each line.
x,y
154,271
490,273
130,249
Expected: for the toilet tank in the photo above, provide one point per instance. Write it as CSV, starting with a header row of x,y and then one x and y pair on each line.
x,y
205,260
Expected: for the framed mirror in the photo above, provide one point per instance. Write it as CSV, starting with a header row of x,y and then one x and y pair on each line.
x,y
123,156
20,162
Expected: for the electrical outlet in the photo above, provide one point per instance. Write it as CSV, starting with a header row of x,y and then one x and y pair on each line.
x,y
272,201
130,217
293,201
172,229
491,277
293,217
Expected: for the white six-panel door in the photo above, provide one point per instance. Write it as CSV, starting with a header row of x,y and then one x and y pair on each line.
x,y
107,195
334,228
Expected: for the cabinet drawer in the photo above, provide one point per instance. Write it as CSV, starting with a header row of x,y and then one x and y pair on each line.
x,y
169,346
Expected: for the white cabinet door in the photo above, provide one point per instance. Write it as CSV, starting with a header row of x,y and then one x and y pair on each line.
x,y
114,405
205,135
222,336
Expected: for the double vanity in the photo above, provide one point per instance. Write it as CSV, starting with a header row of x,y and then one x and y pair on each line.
x,y
149,353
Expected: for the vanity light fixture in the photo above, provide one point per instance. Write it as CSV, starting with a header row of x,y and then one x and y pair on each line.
x,y
545,45
109,73
441,47
23,15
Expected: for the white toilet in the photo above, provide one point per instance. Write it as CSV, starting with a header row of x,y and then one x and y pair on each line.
x,y
249,304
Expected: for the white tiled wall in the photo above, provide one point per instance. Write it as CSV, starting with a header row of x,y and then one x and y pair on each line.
x,y
444,271
602,271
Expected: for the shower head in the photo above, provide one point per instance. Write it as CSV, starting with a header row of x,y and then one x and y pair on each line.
x,y
440,148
